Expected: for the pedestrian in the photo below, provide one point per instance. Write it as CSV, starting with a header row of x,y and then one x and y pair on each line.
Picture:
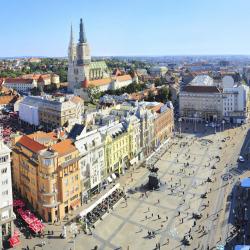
x,y
152,215
27,247
146,217
166,218
167,242
207,215
148,209
158,216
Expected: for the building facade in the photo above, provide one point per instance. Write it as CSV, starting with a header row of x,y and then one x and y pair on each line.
x,y
200,103
163,124
206,100
51,112
116,148
91,162
147,129
46,173
6,205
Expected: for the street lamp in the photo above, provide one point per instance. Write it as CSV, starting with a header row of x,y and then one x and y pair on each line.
x,y
223,122
195,117
180,120
214,126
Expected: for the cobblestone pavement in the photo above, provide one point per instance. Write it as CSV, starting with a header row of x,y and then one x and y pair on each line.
x,y
168,212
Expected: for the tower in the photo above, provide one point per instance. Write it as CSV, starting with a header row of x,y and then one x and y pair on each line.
x,y
79,60
83,53
72,47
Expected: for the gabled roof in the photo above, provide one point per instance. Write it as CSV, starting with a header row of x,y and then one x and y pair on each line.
x,y
123,78
76,99
76,131
64,147
19,80
31,144
100,82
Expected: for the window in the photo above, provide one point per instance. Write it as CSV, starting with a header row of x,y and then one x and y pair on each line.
x,y
5,182
4,158
4,170
47,162
5,192
67,158
66,182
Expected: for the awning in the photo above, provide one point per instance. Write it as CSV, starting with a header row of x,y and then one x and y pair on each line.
x,y
134,161
113,176
109,179
14,241
91,207
75,203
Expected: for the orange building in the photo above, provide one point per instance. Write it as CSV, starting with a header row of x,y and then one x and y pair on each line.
x,y
163,123
46,173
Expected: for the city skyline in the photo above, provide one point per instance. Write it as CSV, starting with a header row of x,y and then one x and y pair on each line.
x,y
132,29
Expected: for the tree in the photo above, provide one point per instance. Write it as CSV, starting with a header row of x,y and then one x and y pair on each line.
x,y
163,95
94,93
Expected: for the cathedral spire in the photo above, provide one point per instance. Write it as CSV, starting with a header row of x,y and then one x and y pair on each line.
x,y
82,36
71,41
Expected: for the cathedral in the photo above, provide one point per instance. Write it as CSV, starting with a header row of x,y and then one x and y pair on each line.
x,y
83,73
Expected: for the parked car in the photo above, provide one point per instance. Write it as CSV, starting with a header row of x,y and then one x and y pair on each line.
x,y
241,159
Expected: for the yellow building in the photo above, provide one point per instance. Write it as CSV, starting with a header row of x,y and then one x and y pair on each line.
x,y
116,148
46,173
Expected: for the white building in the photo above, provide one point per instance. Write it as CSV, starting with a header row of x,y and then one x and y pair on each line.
x,y
51,112
147,129
158,71
90,146
235,100
209,100
6,205
20,84
133,126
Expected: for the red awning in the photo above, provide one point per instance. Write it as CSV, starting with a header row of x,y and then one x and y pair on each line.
x,y
14,241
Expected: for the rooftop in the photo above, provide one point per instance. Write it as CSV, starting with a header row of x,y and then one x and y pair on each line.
x,y
202,80
201,89
64,147
31,144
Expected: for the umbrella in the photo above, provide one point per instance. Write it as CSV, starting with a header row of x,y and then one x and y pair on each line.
x,y
14,241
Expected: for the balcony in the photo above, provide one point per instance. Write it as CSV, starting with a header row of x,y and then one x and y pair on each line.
x,y
45,193
51,205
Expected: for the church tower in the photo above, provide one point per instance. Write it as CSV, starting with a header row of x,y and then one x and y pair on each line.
x,y
79,60
72,47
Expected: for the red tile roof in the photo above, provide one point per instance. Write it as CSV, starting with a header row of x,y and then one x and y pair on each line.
x,y
64,147
18,80
100,82
123,78
4,100
31,144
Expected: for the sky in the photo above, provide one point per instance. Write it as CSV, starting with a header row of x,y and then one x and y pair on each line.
x,y
126,27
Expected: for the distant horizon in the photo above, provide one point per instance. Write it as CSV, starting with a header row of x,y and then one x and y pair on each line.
x,y
180,55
